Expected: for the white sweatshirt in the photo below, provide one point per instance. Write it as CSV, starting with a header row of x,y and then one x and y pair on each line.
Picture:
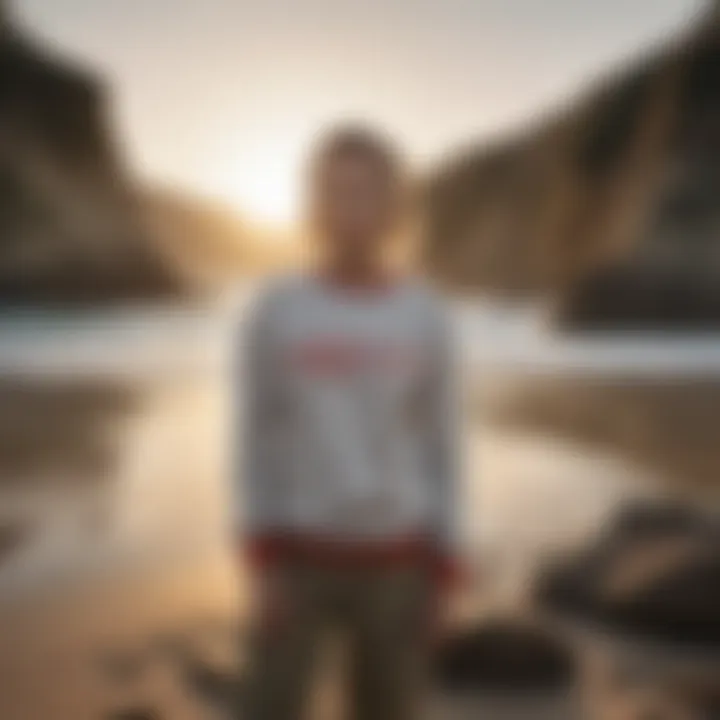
x,y
350,419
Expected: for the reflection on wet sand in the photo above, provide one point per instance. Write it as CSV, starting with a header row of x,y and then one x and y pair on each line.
x,y
12,537
66,432
667,426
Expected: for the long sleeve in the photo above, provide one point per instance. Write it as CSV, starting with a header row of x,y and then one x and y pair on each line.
x,y
441,424
258,488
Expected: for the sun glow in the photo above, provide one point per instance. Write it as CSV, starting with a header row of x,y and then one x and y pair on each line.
x,y
262,183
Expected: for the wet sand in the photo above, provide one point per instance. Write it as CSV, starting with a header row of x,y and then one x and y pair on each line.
x,y
63,652
667,426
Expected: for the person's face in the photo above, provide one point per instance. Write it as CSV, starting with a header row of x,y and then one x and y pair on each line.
x,y
354,208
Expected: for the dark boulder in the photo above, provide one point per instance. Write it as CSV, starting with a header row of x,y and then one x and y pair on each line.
x,y
634,297
655,574
503,657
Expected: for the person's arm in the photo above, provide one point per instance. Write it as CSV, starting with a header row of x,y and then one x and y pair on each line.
x,y
257,467
442,447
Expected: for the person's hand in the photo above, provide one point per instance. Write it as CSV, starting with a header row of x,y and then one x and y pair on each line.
x,y
437,616
270,605
446,598
266,571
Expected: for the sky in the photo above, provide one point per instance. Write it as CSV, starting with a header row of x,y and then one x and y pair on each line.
x,y
222,97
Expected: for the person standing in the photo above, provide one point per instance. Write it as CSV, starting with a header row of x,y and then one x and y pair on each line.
x,y
350,469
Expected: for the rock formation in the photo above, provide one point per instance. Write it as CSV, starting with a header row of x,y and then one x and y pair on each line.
x,y
659,579
69,223
627,177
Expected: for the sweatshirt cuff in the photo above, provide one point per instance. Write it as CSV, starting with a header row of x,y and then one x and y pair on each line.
x,y
449,572
261,551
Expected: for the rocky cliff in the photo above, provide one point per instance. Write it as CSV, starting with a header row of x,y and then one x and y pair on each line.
x,y
209,242
69,221
623,183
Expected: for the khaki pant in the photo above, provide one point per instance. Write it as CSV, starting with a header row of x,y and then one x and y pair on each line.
x,y
381,617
